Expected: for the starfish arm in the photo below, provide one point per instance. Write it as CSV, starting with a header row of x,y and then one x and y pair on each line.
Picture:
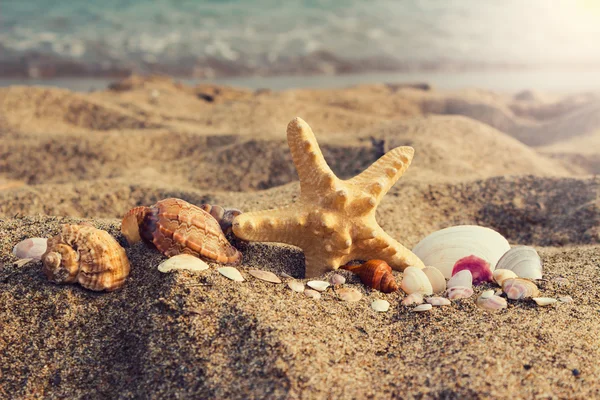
x,y
313,171
279,225
384,247
383,173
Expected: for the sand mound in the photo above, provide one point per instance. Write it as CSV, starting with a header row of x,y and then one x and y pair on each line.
x,y
200,335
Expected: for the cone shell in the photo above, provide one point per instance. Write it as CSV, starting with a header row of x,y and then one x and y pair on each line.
x,y
500,275
517,289
524,261
175,227
436,278
414,280
88,256
376,274
442,249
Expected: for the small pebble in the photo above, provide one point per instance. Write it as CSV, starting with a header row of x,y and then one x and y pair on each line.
x,y
313,294
380,305
422,308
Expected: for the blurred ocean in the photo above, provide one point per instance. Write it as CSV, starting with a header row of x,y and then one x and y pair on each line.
x,y
207,39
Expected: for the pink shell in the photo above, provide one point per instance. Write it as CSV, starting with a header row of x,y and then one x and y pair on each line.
x,y
480,269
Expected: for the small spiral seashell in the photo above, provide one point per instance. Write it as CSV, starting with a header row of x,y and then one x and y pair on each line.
x,y
376,274
224,216
175,227
86,255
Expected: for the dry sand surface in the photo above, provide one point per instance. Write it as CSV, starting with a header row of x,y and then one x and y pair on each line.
x,y
524,165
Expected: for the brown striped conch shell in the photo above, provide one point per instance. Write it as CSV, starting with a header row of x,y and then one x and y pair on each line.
x,y
175,227
86,255
224,216
376,274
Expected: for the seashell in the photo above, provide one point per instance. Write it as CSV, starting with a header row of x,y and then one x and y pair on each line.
x,y
438,301
413,298
479,268
231,273
436,278
175,226
462,278
86,255
296,286
414,280
313,294
337,279
349,294
380,305
318,285
287,276
32,248
518,288
565,299
264,276
490,302
23,261
376,274
183,261
523,261
544,301
422,308
459,292
224,216
442,249
500,275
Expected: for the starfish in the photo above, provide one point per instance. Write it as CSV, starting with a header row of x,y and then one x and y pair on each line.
x,y
333,221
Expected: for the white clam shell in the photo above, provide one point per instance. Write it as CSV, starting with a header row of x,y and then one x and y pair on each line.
x,y
544,301
518,288
264,275
436,278
413,298
523,261
296,286
442,249
313,294
462,278
231,273
459,292
500,275
321,286
414,280
183,261
565,299
422,308
337,279
438,301
32,248
380,305
491,302
349,294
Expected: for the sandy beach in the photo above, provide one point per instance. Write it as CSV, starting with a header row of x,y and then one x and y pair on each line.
x,y
525,164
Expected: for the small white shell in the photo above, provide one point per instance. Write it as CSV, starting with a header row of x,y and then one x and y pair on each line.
x,y
414,280
231,273
296,286
337,279
264,275
321,286
518,288
313,294
461,279
438,301
349,294
459,292
422,308
380,305
500,275
544,301
413,298
523,261
442,249
436,278
31,248
565,299
183,261
491,302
